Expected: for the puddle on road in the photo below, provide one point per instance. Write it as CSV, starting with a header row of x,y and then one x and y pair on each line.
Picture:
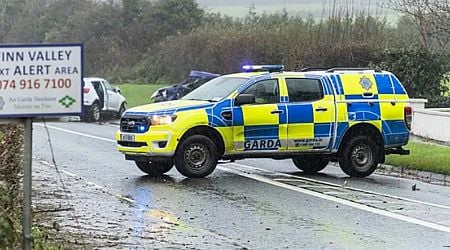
x,y
92,217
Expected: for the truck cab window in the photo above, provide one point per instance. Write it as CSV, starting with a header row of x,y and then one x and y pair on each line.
x,y
304,90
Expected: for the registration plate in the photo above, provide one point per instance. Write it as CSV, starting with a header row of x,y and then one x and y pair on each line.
x,y
126,137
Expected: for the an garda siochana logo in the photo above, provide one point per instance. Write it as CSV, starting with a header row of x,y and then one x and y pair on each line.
x,y
262,144
67,101
2,103
366,83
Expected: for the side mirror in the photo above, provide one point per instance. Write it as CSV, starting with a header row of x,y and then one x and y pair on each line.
x,y
117,90
244,99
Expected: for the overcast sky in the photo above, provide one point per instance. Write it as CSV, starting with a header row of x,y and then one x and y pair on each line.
x,y
239,8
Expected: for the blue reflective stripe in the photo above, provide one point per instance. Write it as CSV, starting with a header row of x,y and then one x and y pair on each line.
x,y
261,132
384,84
300,113
322,129
342,127
337,84
282,119
361,111
238,117
395,132
398,88
326,86
215,118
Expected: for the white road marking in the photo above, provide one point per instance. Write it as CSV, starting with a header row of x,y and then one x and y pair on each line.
x,y
76,133
337,200
347,187
305,191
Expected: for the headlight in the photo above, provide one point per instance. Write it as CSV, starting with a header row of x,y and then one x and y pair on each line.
x,y
162,119
154,94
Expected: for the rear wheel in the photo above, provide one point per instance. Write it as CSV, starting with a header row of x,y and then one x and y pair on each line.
x,y
359,157
309,164
94,113
154,168
196,156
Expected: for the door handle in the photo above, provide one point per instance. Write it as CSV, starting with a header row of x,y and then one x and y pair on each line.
x,y
227,115
277,111
321,109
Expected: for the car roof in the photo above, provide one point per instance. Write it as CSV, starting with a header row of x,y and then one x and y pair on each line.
x,y
250,75
93,79
314,73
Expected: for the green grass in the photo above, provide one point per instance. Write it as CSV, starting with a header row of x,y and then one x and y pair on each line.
x,y
424,156
138,94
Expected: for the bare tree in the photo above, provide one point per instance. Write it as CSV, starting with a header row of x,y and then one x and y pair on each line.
x,y
431,17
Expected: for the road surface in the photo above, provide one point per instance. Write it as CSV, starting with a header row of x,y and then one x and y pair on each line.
x,y
248,204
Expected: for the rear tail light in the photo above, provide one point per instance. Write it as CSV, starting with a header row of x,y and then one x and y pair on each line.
x,y
408,117
86,90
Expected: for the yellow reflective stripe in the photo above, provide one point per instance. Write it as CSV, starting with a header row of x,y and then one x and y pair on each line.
x,y
324,116
352,86
301,130
227,136
238,133
283,87
342,115
282,131
260,114
401,97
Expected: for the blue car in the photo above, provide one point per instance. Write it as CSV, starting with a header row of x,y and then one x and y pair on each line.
x,y
176,91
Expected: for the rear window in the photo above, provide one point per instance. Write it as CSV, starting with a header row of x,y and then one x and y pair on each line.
x,y
304,90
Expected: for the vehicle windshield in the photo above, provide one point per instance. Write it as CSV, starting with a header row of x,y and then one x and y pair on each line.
x,y
216,89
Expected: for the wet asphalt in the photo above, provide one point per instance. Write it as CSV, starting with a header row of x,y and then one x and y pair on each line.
x,y
109,203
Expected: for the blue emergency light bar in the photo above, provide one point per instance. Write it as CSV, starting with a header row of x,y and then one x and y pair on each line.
x,y
258,68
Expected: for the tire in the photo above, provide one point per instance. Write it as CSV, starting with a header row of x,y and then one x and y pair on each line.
x,y
122,109
155,168
196,157
359,156
94,113
310,165
160,99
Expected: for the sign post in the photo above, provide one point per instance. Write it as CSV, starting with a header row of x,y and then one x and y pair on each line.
x,y
38,80
27,218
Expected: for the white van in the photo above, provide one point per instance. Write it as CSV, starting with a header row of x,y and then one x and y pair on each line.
x,y
100,98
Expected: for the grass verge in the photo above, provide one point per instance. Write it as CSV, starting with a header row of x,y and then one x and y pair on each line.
x,y
138,94
424,156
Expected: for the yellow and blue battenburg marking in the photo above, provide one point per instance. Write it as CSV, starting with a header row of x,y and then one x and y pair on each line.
x,y
348,99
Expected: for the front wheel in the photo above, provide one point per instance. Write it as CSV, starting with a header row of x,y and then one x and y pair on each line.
x,y
154,168
310,165
196,157
359,157
122,110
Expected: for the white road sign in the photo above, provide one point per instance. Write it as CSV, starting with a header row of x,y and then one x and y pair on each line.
x,y
41,80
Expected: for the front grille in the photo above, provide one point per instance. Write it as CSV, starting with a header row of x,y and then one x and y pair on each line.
x,y
132,144
134,124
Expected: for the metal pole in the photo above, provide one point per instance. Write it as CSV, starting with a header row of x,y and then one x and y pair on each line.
x,y
27,220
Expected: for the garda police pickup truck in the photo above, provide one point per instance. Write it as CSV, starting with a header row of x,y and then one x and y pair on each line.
x,y
352,116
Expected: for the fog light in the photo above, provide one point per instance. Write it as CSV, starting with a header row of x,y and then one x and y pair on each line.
x,y
162,144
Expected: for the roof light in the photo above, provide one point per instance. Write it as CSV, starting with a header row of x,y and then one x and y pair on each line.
x,y
257,68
